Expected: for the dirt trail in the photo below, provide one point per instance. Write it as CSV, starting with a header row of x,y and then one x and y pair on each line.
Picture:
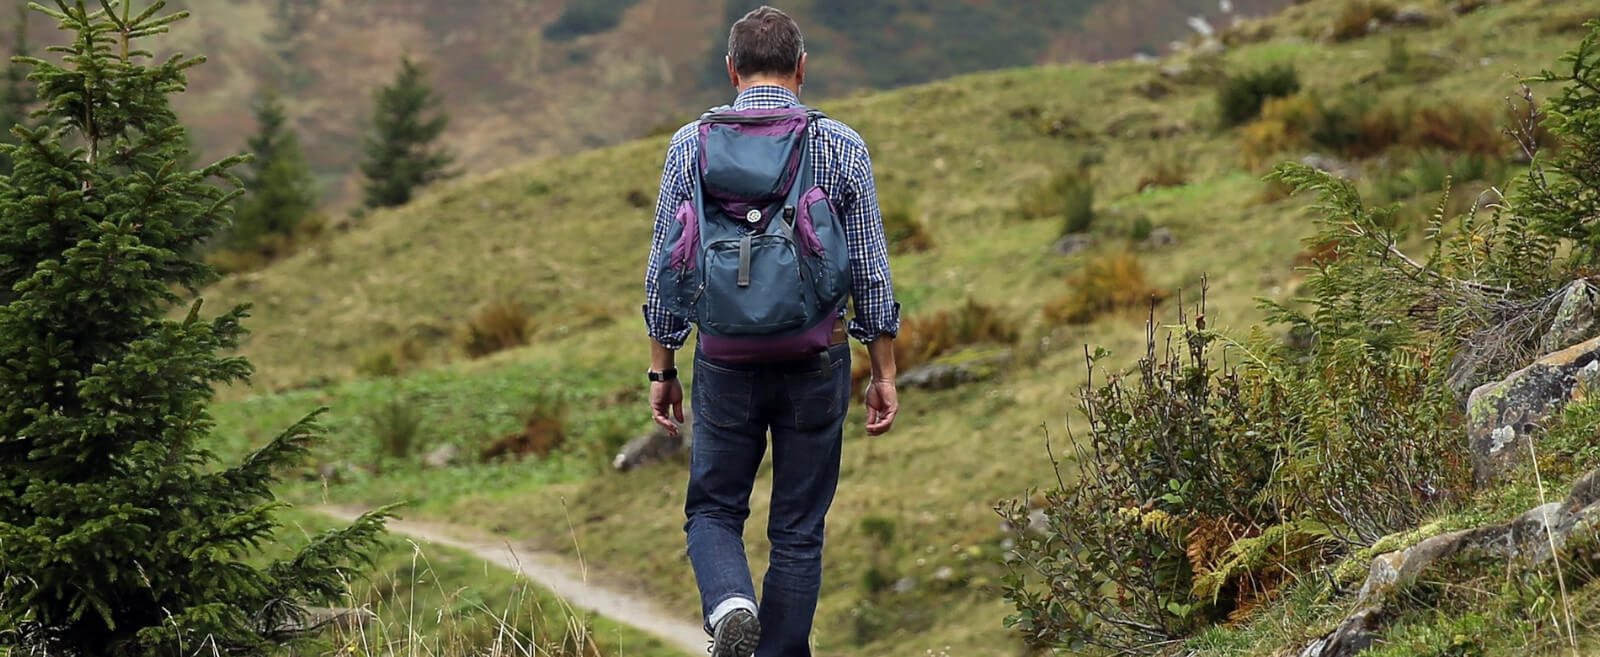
x,y
549,571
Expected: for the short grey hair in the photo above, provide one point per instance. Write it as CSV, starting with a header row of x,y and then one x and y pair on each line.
x,y
765,41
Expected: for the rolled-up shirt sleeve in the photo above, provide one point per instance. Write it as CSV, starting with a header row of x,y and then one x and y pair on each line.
x,y
872,289
670,330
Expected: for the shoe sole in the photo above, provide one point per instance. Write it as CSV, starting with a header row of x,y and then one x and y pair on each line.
x,y
737,637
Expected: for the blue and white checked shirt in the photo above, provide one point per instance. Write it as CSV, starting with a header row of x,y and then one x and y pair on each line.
x,y
843,170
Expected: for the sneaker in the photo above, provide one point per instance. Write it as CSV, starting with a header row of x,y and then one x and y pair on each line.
x,y
737,635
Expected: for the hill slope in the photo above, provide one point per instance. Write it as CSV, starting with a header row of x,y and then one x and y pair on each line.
x,y
566,236
545,77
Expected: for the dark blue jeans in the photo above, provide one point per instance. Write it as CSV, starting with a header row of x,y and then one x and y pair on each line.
x,y
803,404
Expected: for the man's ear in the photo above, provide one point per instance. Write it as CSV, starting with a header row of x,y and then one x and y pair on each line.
x,y
733,74
800,71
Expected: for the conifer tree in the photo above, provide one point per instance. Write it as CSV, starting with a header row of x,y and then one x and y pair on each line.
x,y
280,188
16,94
400,152
121,534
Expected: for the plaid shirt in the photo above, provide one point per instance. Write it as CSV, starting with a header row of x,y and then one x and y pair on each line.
x,y
842,168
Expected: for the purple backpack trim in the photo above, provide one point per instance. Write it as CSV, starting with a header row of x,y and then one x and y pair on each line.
x,y
759,350
684,251
804,227
782,122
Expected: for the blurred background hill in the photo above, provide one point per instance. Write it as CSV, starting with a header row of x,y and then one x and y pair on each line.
x,y
527,78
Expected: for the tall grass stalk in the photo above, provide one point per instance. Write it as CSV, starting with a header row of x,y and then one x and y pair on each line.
x,y
1555,555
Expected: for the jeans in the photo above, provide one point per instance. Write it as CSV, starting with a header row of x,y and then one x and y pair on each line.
x,y
803,404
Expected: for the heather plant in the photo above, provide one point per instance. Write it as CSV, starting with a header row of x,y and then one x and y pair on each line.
x,y
1240,97
120,533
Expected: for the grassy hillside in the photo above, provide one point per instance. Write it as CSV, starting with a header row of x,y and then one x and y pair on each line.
x,y
528,78
566,238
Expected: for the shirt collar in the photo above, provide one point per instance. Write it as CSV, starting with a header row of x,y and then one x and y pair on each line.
x,y
765,97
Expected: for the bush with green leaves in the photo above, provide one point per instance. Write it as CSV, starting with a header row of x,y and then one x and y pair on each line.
x,y
1067,195
120,533
1563,196
1240,97
1202,490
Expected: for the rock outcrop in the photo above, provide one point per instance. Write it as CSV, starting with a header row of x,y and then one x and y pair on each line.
x,y
1575,319
1501,416
961,367
652,448
1529,540
443,457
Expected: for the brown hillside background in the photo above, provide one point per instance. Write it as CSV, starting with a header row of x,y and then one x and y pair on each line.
x,y
514,91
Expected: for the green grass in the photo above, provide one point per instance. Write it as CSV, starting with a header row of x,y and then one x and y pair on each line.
x,y
559,236
430,600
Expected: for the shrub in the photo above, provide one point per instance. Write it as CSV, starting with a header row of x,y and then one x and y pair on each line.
x,y
1283,126
543,432
1357,17
393,360
1240,98
1572,21
923,339
1140,228
1428,172
905,232
395,425
496,327
585,17
1200,492
1356,125
1169,170
1565,204
1069,195
1106,284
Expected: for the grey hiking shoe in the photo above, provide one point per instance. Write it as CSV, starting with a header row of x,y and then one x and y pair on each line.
x,y
737,635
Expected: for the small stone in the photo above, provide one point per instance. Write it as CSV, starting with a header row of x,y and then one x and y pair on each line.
x,y
1176,70
442,457
1073,244
1160,238
1331,165
905,585
1413,16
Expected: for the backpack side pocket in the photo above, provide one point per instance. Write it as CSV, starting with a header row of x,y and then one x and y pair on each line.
x,y
821,236
678,275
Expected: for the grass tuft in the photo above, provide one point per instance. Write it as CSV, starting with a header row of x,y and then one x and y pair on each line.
x,y
496,327
1106,284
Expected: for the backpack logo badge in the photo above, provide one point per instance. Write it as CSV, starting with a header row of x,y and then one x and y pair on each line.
x,y
753,216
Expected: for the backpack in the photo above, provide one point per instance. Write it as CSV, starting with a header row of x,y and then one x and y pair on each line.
x,y
757,258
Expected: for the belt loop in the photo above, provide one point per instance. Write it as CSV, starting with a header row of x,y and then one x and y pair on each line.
x,y
827,363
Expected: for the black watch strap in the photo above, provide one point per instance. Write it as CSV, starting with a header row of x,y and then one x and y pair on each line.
x,y
668,374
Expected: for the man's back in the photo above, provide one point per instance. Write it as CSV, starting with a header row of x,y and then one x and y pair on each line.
x,y
842,168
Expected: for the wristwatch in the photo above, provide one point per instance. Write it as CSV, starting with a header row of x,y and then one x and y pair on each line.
x,y
669,374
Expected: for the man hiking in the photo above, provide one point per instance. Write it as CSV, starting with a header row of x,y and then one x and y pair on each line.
x,y
767,221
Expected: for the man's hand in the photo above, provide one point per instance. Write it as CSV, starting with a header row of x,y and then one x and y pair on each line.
x,y
665,397
882,404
